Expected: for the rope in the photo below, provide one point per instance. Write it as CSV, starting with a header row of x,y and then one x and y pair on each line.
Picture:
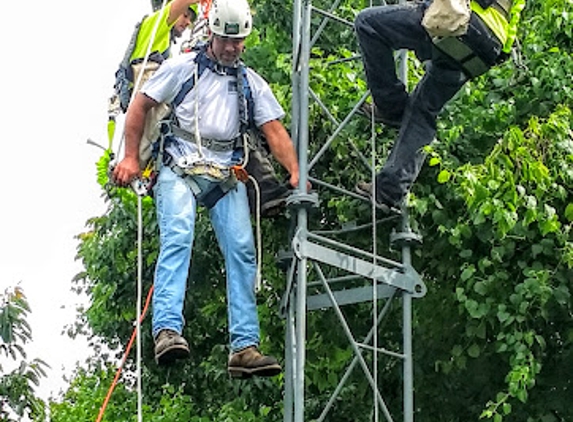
x,y
136,87
374,260
137,83
123,359
200,30
258,235
206,7
140,314
139,293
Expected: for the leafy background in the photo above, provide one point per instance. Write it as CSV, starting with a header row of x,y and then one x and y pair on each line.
x,y
493,336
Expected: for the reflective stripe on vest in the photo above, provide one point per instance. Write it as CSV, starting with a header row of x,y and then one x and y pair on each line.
x,y
494,20
502,18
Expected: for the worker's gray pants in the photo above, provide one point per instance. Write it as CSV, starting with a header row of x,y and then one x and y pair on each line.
x,y
381,31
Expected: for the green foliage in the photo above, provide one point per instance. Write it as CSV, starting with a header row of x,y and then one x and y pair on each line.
x,y
494,334
17,396
512,244
494,205
85,398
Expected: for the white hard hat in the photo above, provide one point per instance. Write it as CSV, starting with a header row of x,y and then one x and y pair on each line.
x,y
230,18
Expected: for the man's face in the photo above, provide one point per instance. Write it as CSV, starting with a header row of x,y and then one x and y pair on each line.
x,y
182,23
227,50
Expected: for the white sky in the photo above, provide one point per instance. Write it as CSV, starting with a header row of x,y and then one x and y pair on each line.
x,y
56,74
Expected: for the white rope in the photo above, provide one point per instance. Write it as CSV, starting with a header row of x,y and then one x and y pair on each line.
x,y
196,106
200,31
139,296
140,233
258,236
374,261
137,83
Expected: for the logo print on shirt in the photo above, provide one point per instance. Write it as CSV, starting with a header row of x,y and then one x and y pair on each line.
x,y
232,87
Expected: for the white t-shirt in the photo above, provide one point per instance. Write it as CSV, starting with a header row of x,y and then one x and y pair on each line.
x,y
217,103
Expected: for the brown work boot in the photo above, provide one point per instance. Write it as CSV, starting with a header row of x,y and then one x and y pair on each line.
x,y
170,346
248,362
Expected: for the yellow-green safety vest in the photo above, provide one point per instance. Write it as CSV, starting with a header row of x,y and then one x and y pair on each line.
x,y
505,30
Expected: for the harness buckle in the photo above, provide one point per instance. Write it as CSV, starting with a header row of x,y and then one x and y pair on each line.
x,y
208,170
188,161
240,173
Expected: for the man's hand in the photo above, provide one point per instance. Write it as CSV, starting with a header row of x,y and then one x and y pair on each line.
x,y
294,180
126,171
282,149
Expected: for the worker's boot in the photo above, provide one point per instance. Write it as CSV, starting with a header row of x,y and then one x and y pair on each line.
x,y
273,194
170,346
248,362
381,200
393,120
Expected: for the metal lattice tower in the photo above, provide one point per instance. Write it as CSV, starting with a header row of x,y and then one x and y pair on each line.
x,y
343,274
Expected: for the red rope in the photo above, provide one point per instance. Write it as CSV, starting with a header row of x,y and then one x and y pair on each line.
x,y
206,7
124,358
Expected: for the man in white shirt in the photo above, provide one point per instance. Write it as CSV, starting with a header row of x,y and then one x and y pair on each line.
x,y
198,169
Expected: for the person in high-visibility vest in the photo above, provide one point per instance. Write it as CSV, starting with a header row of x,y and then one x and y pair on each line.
x,y
450,63
174,18
160,29
200,153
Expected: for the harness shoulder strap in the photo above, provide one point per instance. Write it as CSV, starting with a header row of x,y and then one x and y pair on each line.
x,y
190,83
248,94
203,62
131,46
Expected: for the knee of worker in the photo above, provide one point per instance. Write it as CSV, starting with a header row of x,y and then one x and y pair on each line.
x,y
438,86
176,246
239,252
375,22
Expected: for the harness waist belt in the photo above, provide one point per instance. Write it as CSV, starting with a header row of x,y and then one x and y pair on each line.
x,y
206,189
211,144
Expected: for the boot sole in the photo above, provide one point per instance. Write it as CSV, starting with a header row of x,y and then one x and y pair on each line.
x,y
273,208
171,354
263,371
385,208
393,124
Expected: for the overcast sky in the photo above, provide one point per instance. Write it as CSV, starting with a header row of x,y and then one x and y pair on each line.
x,y
57,72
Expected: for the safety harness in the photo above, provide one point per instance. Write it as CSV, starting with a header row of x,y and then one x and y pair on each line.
x,y
125,76
472,58
208,181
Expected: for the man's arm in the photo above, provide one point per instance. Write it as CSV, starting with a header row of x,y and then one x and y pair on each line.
x,y
282,148
178,7
128,169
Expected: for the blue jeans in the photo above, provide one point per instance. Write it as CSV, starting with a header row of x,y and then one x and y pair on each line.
x,y
176,210
382,30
